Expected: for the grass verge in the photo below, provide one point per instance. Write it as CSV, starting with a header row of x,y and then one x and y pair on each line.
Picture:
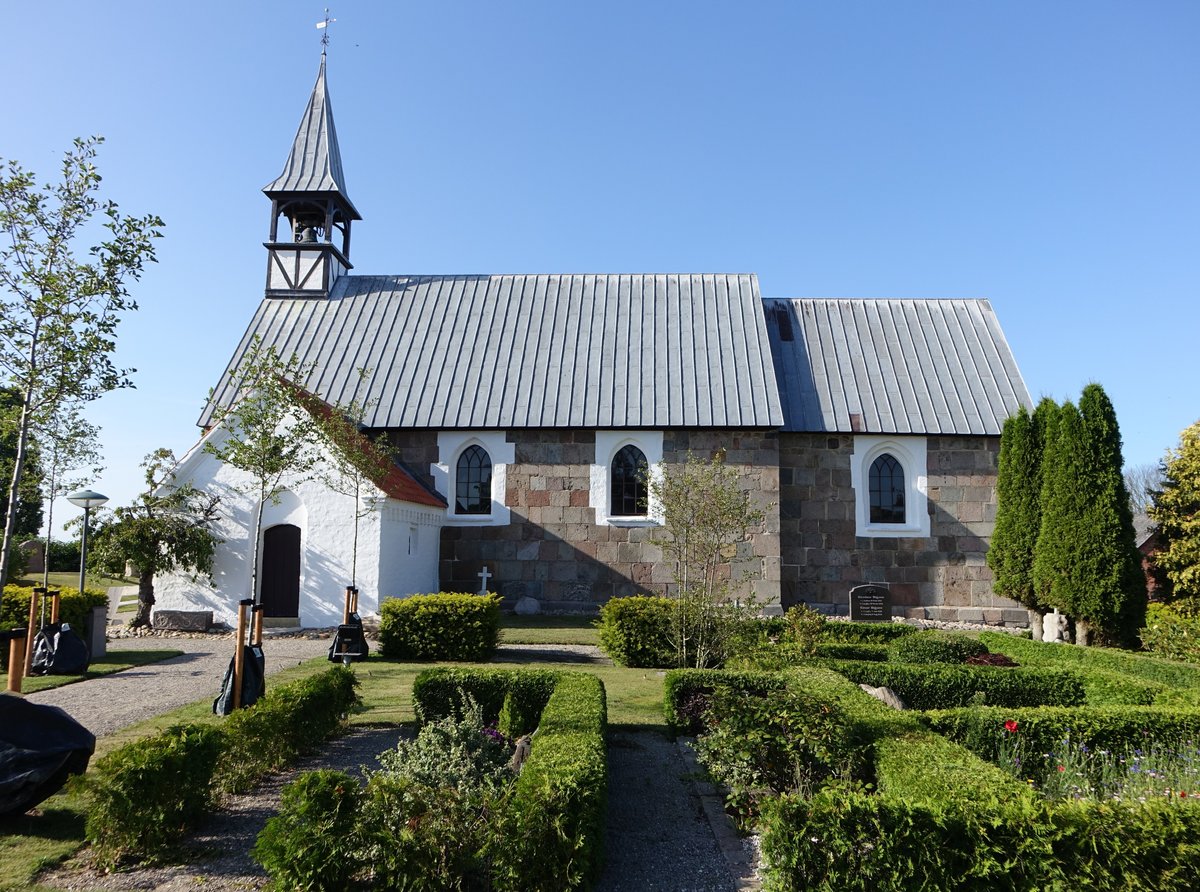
x,y
549,630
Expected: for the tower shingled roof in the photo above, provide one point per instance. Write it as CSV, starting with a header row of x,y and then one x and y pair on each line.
x,y
315,162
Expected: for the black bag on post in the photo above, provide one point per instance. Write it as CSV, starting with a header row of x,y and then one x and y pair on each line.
x,y
40,747
349,642
57,650
254,683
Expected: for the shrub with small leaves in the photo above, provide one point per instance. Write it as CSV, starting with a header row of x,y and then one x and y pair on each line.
x,y
145,795
935,647
636,631
313,843
443,626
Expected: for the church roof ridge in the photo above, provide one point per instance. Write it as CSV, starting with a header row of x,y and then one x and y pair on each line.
x,y
315,161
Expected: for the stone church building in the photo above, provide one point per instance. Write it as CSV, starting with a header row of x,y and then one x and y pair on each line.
x,y
521,409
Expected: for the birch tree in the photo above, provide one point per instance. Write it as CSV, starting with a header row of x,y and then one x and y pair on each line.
x,y
58,314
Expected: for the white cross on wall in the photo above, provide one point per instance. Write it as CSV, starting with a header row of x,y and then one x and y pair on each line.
x,y
485,576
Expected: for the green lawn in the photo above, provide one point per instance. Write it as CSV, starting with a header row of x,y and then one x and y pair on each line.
x,y
93,581
548,630
113,661
56,831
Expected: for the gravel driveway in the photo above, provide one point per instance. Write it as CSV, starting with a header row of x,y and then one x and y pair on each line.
x,y
109,703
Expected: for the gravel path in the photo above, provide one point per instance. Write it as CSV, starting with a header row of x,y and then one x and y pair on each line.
x,y
109,703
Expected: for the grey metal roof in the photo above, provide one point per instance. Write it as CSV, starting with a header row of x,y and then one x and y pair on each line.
x,y
525,351
315,162
901,366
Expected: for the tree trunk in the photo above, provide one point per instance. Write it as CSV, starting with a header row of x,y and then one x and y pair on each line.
x,y
10,516
257,533
1035,625
145,601
1083,633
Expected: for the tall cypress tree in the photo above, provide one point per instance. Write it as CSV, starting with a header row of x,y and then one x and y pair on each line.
x,y
1018,496
1118,592
1060,573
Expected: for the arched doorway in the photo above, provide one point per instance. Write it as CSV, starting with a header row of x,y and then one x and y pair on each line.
x,y
281,572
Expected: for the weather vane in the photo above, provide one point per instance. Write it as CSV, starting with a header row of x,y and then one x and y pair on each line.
x,y
323,27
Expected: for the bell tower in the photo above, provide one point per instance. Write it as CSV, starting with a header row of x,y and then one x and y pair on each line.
x,y
311,213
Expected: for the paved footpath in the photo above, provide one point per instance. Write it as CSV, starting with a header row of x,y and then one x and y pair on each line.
x,y
112,702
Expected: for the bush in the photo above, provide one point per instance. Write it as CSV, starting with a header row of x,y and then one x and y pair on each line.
x,y
552,831
1172,632
686,693
285,722
636,631
925,767
759,746
847,839
73,608
935,647
511,699
145,795
936,686
63,557
1110,677
312,843
440,627
865,633
835,650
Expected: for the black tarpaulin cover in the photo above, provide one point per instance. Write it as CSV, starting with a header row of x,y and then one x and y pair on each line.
x,y
57,650
254,684
40,747
349,642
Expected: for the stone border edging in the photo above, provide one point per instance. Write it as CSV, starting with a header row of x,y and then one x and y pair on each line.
x,y
743,867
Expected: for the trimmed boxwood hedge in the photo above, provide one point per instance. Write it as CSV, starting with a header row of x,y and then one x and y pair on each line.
x,y
865,633
552,831
685,692
932,646
143,796
512,698
1140,666
443,626
836,650
845,838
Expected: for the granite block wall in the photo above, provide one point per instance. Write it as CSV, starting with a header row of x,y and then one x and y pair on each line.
x,y
554,550
944,576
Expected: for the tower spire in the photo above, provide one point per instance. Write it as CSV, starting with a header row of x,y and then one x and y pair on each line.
x,y
310,194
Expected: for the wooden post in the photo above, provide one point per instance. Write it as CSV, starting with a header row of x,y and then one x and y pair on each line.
x,y
346,607
35,600
55,597
239,656
256,637
16,659
353,603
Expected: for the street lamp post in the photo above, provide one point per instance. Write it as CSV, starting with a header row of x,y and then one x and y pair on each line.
x,y
87,500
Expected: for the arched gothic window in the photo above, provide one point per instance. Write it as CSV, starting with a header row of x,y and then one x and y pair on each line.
x,y
887,490
629,496
473,483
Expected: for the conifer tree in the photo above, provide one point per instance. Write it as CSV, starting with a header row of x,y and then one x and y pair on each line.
x,y
1018,515
1176,512
1059,569
1117,593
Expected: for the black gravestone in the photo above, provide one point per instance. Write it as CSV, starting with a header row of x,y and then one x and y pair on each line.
x,y
870,604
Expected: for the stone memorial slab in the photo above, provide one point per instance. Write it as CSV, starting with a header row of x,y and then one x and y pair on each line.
x,y
870,604
183,620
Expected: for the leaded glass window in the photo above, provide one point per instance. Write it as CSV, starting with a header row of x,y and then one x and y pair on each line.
x,y
630,497
473,485
887,490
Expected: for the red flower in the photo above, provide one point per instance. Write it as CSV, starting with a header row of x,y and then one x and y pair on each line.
x,y
1183,794
1061,768
1011,726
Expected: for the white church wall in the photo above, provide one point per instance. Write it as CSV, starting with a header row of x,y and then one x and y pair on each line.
x,y
326,522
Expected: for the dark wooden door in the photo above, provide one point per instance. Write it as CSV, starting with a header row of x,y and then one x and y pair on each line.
x,y
281,571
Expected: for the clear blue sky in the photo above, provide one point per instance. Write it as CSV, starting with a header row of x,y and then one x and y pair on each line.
x,y
1042,155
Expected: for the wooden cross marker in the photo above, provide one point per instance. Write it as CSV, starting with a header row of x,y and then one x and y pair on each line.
x,y
485,576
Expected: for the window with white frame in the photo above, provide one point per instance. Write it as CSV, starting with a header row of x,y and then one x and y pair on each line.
x,y
626,461
890,483
472,473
